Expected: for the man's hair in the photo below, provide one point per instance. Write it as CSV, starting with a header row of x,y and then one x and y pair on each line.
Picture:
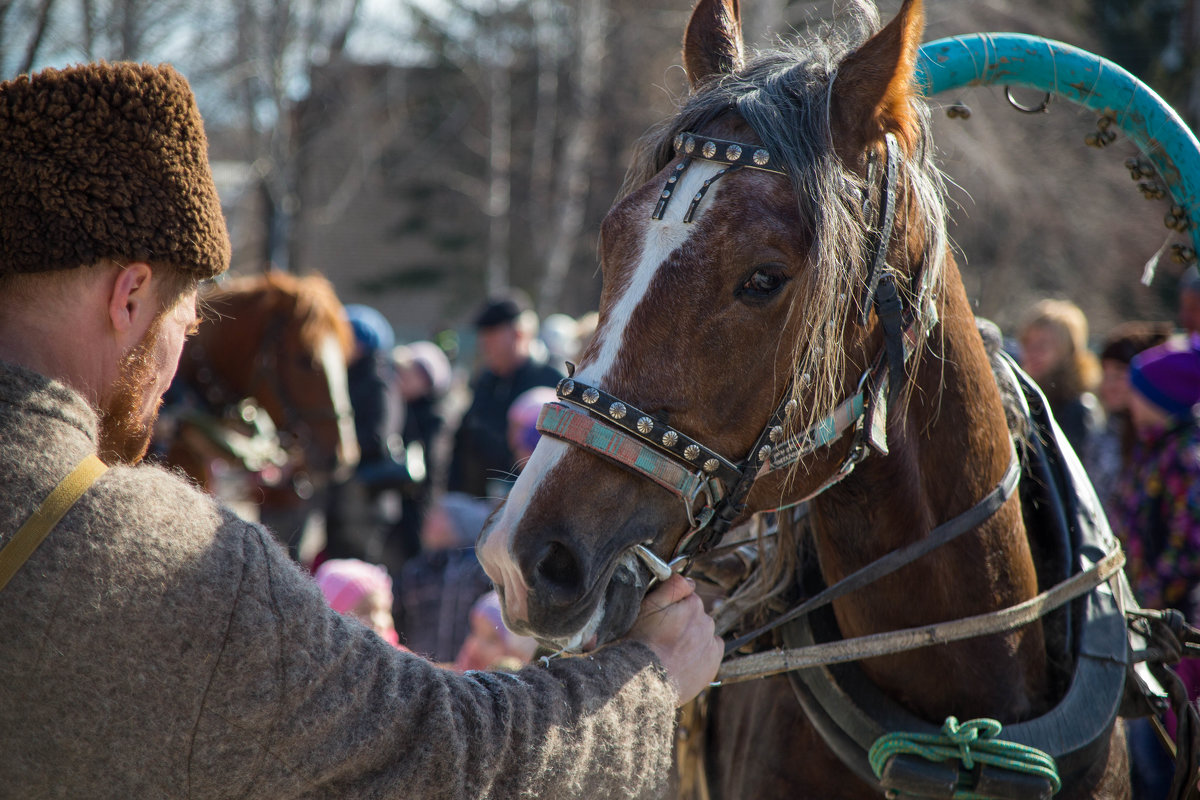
x,y
106,162
35,288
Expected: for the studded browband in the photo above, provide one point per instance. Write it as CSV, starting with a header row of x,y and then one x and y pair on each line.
x,y
733,154
663,437
710,149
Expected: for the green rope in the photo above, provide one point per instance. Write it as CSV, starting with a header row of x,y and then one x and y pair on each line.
x,y
971,743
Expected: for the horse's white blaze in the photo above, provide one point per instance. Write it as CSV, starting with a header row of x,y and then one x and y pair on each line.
x,y
495,552
333,364
660,238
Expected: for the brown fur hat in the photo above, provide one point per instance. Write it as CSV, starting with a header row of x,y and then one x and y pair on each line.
x,y
106,161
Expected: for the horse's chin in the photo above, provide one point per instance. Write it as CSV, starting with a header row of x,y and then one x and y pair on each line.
x,y
615,611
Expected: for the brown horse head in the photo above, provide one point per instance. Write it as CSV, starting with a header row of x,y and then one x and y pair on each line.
x,y
282,340
726,293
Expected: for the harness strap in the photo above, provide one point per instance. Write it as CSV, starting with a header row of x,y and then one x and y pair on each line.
x,y
887,199
35,529
773,662
890,309
900,557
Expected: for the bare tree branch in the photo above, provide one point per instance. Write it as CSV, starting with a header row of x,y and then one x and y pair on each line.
x,y
35,40
574,177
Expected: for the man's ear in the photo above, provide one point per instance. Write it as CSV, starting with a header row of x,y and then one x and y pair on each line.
x,y
132,300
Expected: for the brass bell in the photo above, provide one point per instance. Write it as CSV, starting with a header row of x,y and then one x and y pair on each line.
x,y
1151,191
1176,219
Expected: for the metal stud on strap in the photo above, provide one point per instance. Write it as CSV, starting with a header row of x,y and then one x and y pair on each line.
x,y
726,152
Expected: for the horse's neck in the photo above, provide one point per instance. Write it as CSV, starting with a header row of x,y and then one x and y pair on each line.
x,y
949,449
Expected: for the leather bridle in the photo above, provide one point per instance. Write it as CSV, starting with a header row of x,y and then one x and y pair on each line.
x,y
601,423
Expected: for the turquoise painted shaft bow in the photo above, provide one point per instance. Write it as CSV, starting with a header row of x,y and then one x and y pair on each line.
x,y
1089,80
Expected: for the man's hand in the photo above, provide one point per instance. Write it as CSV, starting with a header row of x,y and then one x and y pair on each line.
x,y
675,626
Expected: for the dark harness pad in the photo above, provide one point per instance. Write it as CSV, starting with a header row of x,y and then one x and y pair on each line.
x,y
1087,639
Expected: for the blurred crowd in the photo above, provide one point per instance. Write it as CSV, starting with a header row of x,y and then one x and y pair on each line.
x,y
1130,407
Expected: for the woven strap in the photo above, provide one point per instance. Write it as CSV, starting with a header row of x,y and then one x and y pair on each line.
x,y
773,662
27,538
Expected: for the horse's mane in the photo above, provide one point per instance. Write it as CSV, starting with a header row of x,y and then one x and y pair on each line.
x,y
309,299
783,94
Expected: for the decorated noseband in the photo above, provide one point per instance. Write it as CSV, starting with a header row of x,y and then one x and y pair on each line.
x,y
734,154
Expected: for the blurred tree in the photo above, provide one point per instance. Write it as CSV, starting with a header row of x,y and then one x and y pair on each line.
x,y
271,53
1159,41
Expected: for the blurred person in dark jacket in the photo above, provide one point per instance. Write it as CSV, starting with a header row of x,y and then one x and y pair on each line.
x,y
361,510
507,329
422,378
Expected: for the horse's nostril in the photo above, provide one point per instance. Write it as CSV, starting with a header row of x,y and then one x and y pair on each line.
x,y
559,569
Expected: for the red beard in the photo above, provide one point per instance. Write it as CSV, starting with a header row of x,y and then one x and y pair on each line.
x,y
124,433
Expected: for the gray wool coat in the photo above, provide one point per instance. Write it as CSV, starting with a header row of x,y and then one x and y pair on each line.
x,y
157,646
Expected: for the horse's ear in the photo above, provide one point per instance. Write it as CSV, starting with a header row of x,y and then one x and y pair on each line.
x,y
712,44
873,89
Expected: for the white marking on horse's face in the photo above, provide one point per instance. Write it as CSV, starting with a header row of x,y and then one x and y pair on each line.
x,y
333,364
495,547
660,238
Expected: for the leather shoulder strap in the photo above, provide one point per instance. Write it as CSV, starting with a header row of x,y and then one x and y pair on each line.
x,y
27,538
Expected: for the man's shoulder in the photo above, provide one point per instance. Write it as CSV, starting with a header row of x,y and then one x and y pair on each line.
x,y
149,510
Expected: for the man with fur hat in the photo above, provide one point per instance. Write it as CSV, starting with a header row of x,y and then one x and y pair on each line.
x,y
153,644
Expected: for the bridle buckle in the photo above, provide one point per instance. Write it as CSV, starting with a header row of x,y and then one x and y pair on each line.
x,y
706,512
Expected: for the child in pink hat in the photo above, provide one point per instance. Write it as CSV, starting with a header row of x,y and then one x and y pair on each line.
x,y
360,590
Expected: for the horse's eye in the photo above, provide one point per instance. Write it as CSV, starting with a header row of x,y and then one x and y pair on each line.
x,y
761,284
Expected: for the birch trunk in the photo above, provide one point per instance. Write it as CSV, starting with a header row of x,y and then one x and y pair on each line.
x,y
574,176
